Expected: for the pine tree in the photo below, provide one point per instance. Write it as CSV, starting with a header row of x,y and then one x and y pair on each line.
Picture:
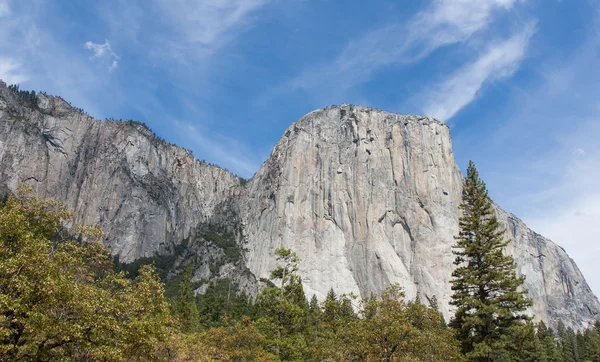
x,y
185,307
547,348
330,308
282,311
568,343
487,293
590,348
313,317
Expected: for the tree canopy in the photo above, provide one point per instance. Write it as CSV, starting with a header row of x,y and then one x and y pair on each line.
x,y
63,298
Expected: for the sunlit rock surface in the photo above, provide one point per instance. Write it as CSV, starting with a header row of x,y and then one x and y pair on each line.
x,y
365,197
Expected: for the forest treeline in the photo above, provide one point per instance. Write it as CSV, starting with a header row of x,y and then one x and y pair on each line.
x,y
63,298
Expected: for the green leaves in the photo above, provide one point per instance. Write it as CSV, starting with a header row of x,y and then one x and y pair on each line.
x,y
60,299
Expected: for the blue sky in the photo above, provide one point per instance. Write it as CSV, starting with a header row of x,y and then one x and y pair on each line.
x,y
517,81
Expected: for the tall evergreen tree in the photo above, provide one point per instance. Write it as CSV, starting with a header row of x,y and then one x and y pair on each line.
x,y
486,289
590,348
185,305
313,317
282,311
547,347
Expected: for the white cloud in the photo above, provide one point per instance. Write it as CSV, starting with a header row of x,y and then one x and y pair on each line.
x,y
452,21
4,8
201,28
206,22
113,66
578,152
100,49
103,51
189,32
11,71
34,57
444,22
459,89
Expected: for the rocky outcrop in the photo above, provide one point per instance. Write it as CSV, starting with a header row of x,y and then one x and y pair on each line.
x,y
366,198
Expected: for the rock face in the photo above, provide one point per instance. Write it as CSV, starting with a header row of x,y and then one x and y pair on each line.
x,y
366,198
147,195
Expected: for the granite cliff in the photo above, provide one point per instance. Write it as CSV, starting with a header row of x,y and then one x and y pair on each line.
x,y
365,197
369,198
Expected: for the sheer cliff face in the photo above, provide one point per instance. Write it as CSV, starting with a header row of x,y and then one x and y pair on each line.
x,y
366,198
146,194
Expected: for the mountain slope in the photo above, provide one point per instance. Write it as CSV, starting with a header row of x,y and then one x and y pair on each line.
x,y
149,197
365,197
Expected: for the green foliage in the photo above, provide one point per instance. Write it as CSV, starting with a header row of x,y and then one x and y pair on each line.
x,y
184,306
243,181
29,98
224,240
223,298
579,346
281,311
392,330
61,299
337,311
162,265
165,263
547,349
486,291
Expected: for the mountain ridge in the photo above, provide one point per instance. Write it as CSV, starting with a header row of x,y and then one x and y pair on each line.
x,y
365,197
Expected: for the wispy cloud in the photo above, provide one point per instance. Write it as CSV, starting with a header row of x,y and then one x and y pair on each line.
x,y
219,149
443,23
11,71
207,22
113,66
499,61
104,51
186,41
194,31
4,8
187,31
34,55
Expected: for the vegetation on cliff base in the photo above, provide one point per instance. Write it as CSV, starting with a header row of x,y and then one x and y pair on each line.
x,y
61,299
